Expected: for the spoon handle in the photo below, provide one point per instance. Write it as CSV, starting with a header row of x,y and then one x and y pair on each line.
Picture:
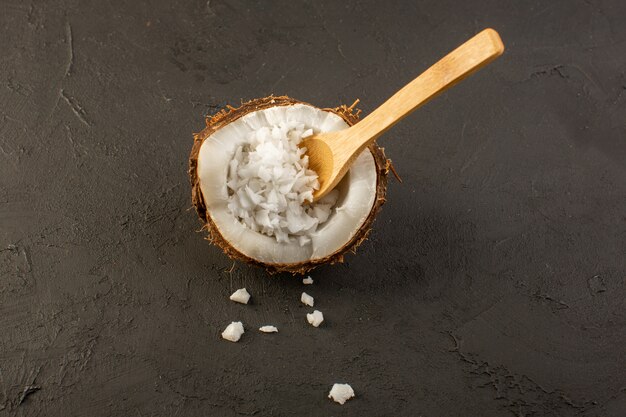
x,y
454,67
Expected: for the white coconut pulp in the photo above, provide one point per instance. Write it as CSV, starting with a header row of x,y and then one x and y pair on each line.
x,y
340,393
270,185
315,318
233,331
306,299
241,296
256,187
268,329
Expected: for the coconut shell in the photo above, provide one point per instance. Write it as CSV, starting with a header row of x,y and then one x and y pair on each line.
x,y
230,114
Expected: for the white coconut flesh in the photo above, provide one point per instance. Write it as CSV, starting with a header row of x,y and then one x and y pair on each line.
x,y
226,197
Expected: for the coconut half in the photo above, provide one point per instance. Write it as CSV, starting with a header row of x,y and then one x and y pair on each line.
x,y
361,191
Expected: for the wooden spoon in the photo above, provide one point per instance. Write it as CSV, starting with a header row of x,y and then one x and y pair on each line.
x,y
331,154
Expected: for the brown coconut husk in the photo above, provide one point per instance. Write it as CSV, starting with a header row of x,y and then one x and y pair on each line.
x,y
230,114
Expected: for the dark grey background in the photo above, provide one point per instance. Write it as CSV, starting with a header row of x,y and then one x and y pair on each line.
x,y
493,283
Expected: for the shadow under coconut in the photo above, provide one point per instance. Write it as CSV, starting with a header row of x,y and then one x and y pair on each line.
x,y
429,254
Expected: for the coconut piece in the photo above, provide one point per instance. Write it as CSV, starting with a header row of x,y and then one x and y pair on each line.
x,y
340,393
306,299
308,280
233,331
241,296
215,153
268,329
315,318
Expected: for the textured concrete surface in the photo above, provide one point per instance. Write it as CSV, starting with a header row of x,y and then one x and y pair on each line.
x,y
494,281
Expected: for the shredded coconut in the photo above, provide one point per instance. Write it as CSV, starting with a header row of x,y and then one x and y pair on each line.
x,y
315,318
341,393
233,331
268,329
306,299
241,296
270,185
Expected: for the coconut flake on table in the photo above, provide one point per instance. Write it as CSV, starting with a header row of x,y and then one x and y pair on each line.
x,y
268,329
315,318
233,331
308,280
307,299
340,393
241,296
271,187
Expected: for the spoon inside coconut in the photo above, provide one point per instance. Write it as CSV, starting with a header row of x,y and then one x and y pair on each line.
x,y
331,154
